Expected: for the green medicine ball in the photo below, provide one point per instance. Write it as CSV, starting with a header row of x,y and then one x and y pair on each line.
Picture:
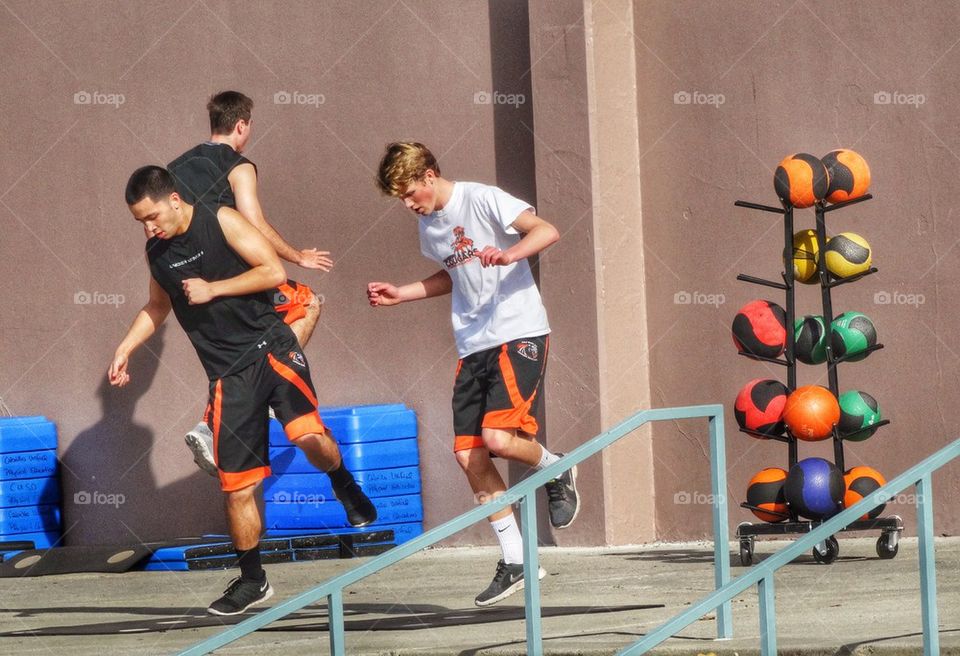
x,y
859,412
810,339
851,334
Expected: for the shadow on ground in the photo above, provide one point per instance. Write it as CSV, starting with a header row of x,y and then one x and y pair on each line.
x,y
420,616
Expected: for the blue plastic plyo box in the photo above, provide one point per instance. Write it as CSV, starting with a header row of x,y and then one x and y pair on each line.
x,y
41,540
320,515
29,492
357,457
360,423
27,434
401,532
28,464
374,482
29,519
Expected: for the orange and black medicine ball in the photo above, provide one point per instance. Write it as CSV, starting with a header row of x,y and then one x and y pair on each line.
x,y
860,482
759,406
765,492
849,175
760,329
801,180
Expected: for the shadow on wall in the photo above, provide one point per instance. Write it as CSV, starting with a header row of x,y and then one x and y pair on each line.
x,y
111,495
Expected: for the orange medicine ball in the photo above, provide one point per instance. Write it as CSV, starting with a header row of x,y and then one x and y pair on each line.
x,y
810,413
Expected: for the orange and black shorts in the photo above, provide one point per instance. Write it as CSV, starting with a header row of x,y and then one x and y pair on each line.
x,y
499,388
237,412
291,300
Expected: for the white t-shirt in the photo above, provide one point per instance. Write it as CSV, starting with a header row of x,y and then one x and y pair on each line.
x,y
493,305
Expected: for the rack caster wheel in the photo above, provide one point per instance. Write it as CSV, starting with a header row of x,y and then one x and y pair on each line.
x,y
746,551
887,546
831,551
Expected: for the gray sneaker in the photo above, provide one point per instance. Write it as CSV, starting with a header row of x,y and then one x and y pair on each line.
x,y
564,502
200,441
507,580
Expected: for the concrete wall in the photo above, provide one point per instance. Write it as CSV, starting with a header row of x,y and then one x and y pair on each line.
x,y
640,183
797,77
385,71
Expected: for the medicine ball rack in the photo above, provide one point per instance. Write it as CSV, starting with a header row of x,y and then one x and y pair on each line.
x,y
890,527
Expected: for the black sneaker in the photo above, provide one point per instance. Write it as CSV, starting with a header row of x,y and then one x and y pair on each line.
x,y
507,580
240,595
564,502
360,510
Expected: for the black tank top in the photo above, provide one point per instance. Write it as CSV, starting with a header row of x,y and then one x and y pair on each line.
x,y
229,332
200,174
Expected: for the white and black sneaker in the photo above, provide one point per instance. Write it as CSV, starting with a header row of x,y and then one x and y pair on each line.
x,y
200,441
563,500
240,595
507,580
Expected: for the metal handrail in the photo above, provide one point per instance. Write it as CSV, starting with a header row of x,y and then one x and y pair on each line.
x,y
762,573
525,493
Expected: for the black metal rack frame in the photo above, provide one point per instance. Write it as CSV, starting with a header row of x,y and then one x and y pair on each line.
x,y
890,527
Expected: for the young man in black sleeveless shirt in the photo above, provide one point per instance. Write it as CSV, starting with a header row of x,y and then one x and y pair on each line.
x,y
216,172
213,269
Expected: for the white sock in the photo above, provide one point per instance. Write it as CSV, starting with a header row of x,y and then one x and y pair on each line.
x,y
546,459
511,544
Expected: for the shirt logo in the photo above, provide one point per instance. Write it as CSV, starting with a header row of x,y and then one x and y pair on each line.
x,y
463,249
528,350
297,358
190,259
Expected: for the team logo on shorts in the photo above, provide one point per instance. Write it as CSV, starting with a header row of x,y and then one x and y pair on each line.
x,y
528,350
297,358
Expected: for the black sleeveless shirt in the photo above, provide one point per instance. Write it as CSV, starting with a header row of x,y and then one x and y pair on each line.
x,y
230,332
200,174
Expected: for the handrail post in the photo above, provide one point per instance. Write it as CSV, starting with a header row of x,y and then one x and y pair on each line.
x,y
768,616
721,535
928,567
338,645
531,571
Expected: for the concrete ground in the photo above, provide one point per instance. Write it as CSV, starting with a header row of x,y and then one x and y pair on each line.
x,y
595,601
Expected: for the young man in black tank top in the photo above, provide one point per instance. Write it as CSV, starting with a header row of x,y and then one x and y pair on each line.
x,y
217,173
213,269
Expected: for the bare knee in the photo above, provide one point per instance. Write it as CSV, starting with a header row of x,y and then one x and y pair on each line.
x,y
242,496
311,440
315,305
498,442
471,460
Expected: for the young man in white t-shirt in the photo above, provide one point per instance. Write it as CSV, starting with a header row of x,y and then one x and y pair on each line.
x,y
482,236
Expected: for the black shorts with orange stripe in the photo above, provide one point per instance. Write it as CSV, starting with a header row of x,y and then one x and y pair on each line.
x,y
237,412
291,300
499,388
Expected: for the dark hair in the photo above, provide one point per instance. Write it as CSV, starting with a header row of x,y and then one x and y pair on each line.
x,y
154,182
226,108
